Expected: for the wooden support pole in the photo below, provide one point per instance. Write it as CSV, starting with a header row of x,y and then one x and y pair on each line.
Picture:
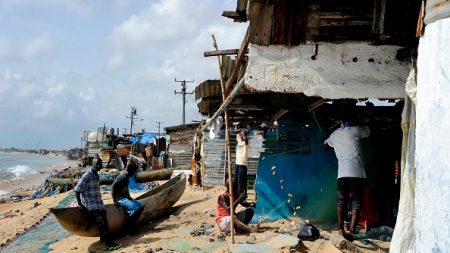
x,y
228,94
228,144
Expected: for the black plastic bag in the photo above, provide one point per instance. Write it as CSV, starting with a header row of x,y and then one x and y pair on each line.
x,y
308,232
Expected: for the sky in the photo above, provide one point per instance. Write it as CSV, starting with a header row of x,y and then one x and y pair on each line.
x,y
69,66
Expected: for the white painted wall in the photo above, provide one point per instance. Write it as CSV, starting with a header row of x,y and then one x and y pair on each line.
x,y
432,224
334,74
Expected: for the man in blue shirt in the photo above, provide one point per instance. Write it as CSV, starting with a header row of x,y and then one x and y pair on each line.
x,y
87,192
121,195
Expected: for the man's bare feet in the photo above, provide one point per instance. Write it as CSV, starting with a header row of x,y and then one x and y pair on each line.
x,y
256,228
346,235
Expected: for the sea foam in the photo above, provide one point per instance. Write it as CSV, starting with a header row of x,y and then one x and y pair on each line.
x,y
21,170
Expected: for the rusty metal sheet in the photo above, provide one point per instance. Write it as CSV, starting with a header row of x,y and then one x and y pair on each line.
x,y
208,88
436,10
261,18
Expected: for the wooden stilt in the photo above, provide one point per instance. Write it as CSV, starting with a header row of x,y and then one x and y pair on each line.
x,y
227,144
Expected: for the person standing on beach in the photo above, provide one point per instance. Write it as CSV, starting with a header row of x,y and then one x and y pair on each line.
x,y
240,167
351,174
87,192
121,196
149,151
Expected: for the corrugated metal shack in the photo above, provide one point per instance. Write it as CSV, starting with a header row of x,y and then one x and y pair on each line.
x,y
297,62
215,162
181,146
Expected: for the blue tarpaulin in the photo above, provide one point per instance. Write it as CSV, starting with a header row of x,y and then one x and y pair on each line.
x,y
296,176
144,138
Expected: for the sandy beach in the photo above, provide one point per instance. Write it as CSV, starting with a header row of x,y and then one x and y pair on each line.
x,y
170,233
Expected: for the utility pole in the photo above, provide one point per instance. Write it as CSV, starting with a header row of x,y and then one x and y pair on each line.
x,y
183,93
133,117
159,128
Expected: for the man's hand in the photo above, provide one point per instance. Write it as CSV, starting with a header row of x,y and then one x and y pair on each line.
x,y
81,207
242,196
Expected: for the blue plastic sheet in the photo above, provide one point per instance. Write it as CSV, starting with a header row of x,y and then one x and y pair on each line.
x,y
144,138
296,176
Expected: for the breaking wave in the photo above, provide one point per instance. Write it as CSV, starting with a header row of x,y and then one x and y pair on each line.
x,y
19,171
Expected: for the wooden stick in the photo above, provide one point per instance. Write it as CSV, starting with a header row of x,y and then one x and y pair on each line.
x,y
221,52
228,144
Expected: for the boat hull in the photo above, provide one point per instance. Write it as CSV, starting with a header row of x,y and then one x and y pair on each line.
x,y
156,202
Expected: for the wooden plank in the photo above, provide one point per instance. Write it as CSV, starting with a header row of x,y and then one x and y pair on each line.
x,y
220,52
235,16
224,105
239,59
261,19
241,6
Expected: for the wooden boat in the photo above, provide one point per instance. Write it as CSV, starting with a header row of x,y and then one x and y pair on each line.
x,y
156,202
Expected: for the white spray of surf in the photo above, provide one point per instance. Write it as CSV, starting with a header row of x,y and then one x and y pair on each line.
x,y
21,170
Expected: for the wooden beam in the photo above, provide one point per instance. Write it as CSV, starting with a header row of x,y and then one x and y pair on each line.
x,y
224,105
317,104
279,114
221,52
235,16
240,57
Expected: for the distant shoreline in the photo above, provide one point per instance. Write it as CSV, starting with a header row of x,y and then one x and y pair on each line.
x,y
18,185
15,152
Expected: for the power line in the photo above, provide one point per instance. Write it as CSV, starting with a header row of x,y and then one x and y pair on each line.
x,y
159,127
133,117
183,93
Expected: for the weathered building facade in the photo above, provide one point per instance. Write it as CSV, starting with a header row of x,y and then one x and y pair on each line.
x,y
298,60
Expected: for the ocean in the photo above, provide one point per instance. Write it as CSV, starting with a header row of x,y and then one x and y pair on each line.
x,y
14,166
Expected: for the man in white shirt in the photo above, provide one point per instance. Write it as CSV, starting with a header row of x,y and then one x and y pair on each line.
x,y
240,167
351,174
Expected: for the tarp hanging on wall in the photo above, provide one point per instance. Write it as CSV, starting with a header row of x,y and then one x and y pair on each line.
x,y
296,176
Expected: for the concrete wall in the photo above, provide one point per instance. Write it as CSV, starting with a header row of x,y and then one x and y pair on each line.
x,y
432,224
343,70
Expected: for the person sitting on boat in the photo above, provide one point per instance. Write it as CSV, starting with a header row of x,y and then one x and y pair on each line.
x,y
121,195
87,192
97,162
240,219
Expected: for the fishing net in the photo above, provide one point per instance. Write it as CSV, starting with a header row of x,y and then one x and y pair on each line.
x,y
39,238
